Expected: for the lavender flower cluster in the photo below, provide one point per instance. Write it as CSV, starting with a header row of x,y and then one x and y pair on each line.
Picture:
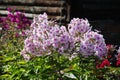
x,y
93,43
46,37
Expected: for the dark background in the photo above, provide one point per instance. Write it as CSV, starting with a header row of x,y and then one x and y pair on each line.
x,y
103,15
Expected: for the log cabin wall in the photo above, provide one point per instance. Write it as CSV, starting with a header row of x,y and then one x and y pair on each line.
x,y
56,9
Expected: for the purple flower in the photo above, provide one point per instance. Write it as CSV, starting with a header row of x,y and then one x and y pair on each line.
x,y
19,26
9,9
23,33
78,26
46,36
1,19
16,35
6,27
94,43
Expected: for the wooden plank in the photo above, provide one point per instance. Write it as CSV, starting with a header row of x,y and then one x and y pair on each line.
x,y
5,12
34,2
36,9
31,15
50,2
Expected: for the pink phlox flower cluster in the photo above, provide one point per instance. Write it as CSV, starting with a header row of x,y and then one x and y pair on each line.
x,y
46,37
61,40
15,21
93,43
86,48
78,27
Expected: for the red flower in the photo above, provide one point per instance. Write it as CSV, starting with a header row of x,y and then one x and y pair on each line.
x,y
118,62
103,64
109,56
109,46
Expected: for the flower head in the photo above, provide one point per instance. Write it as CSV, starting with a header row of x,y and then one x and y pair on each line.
x,y
78,26
46,36
93,43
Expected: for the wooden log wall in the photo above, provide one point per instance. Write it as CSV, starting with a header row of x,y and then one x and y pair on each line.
x,y
56,9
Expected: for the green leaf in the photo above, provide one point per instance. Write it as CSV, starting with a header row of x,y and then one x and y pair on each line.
x,y
1,57
22,69
70,75
4,76
8,59
22,62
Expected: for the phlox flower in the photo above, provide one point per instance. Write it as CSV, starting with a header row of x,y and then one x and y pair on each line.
x,y
93,43
78,26
45,37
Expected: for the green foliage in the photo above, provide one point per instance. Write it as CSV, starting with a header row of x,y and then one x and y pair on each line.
x,y
50,67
